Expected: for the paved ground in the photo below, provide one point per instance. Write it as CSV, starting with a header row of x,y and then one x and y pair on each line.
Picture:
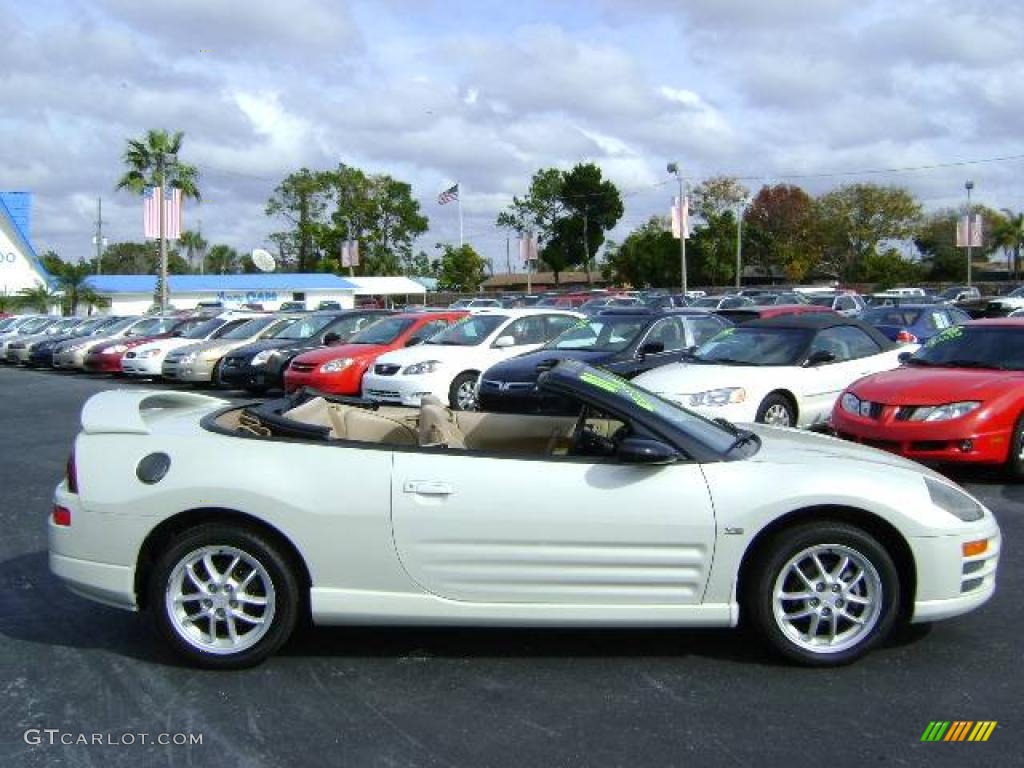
x,y
467,697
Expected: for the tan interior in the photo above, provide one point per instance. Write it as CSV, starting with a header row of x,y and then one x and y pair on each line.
x,y
433,425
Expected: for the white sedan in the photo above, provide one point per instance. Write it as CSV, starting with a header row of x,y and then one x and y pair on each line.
x,y
786,371
228,522
147,360
449,364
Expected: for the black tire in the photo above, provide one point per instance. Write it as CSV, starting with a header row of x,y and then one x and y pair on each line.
x,y
461,382
831,541
776,404
1015,460
225,542
215,374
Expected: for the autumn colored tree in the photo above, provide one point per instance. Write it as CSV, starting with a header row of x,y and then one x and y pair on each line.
x,y
781,231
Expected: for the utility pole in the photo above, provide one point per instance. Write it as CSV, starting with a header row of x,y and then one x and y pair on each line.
x,y
970,235
98,238
508,255
162,160
586,249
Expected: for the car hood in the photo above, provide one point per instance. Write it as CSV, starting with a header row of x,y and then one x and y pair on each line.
x,y
442,352
524,367
781,445
165,345
353,351
219,346
699,377
254,347
934,386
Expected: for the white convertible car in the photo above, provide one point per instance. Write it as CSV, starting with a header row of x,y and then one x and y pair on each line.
x,y
227,522
786,371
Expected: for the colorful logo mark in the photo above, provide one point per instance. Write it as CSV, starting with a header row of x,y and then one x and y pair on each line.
x,y
959,730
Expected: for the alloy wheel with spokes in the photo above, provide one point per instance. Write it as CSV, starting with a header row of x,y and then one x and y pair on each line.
x,y
776,410
220,599
462,396
826,597
822,593
224,596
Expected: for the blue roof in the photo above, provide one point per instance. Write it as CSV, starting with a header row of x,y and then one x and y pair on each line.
x,y
271,281
16,224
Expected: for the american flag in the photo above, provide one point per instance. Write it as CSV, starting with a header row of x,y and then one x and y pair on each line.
x,y
151,213
452,193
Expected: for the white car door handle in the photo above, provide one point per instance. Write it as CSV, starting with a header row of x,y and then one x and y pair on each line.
x,y
429,488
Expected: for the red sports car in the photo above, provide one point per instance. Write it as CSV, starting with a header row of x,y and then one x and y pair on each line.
x,y
959,398
106,357
339,369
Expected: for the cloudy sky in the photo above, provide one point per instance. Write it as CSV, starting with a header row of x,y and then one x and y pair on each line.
x,y
813,92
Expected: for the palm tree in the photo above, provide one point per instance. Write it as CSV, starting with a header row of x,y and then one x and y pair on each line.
x,y
71,279
194,244
40,298
150,164
222,260
1009,234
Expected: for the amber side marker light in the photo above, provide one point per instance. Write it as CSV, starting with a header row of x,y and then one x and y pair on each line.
x,y
972,548
61,516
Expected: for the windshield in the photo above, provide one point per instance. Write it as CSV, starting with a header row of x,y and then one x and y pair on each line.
x,y
892,316
605,334
383,332
469,332
88,326
305,327
755,346
203,330
715,435
33,326
710,301
951,293
7,322
249,328
65,325
1016,293
822,301
974,346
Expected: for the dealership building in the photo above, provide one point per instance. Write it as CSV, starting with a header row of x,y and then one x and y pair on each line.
x,y
20,268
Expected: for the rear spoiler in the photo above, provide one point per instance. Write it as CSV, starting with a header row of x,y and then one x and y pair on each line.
x,y
120,411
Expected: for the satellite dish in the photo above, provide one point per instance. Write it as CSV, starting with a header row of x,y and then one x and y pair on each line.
x,y
263,260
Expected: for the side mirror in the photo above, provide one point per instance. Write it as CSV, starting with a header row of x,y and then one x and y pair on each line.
x,y
504,341
644,450
819,358
332,338
652,348
902,357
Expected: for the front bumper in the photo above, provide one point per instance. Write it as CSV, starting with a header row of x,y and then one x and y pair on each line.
x,y
199,370
406,390
957,441
17,355
103,363
69,360
949,584
346,382
141,366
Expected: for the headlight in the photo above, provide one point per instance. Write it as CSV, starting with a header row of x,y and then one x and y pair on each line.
x,y
717,397
188,357
944,412
117,349
427,366
951,499
262,358
148,353
333,366
850,403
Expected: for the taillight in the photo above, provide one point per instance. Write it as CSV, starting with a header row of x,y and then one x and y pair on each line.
x,y
61,516
906,337
71,473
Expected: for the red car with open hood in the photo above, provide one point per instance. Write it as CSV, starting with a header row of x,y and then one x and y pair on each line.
x,y
339,369
958,399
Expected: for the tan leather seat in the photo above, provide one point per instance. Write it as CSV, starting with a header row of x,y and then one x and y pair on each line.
x,y
438,427
368,427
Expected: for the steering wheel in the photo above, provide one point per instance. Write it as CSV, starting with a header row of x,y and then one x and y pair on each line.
x,y
586,442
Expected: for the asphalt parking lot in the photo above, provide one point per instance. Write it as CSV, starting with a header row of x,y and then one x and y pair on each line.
x,y
405,697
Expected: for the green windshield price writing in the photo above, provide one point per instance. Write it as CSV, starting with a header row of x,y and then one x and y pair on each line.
x,y
617,387
950,333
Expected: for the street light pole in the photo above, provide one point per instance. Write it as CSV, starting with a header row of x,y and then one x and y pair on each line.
x,y
970,235
739,242
674,169
163,159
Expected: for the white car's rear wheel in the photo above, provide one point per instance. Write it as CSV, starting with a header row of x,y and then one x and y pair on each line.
x,y
823,593
223,596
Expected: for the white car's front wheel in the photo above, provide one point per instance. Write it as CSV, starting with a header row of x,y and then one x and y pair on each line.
x,y
823,593
776,410
223,596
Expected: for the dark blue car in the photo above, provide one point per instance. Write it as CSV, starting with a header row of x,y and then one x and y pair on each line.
x,y
914,323
626,341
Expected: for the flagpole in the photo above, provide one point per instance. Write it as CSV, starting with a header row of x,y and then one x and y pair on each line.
x,y
458,199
